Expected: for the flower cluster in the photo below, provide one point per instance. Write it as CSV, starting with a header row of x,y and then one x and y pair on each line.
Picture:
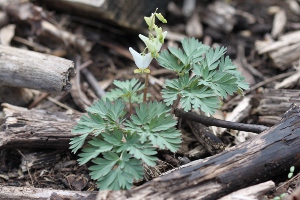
x,y
153,44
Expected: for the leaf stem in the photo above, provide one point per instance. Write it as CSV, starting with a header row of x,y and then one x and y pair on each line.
x,y
145,89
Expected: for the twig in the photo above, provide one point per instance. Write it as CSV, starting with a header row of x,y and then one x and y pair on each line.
x,y
208,121
93,83
62,105
32,182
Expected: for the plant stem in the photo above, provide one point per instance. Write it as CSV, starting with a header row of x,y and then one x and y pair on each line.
x,y
209,121
130,106
145,89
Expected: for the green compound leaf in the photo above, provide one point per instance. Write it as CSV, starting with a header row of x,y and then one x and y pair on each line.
x,y
102,116
144,151
112,113
91,124
213,57
115,172
126,89
153,122
193,53
193,94
97,146
227,66
194,49
222,83
77,142
169,61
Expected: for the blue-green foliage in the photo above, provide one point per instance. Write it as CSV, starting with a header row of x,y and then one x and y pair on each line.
x,y
117,147
214,76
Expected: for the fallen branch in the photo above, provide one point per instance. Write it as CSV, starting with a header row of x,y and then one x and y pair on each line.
x,y
23,68
208,121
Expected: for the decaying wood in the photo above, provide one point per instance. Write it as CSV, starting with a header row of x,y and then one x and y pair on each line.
x,y
23,68
26,12
284,51
274,103
252,192
279,23
129,14
254,161
36,128
31,193
210,141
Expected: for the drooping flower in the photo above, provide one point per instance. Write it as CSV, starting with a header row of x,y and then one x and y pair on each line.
x,y
142,61
154,44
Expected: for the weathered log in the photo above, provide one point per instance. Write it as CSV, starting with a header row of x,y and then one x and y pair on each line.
x,y
36,128
257,160
23,68
31,193
129,14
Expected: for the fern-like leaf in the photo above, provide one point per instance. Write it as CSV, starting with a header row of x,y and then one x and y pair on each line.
x,y
97,146
169,61
152,120
125,89
115,172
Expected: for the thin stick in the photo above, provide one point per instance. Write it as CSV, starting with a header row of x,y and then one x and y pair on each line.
x,y
208,121
145,89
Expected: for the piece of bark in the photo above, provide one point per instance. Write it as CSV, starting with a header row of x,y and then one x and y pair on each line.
x,y
289,81
279,23
284,51
219,15
254,161
210,141
36,128
23,68
31,193
129,14
39,160
252,192
273,103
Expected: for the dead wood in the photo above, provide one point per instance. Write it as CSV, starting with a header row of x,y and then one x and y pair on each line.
x,y
284,51
31,193
36,17
257,160
129,14
36,128
273,103
23,68
209,140
252,192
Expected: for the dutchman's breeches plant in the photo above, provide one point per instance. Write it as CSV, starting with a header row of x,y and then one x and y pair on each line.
x,y
118,147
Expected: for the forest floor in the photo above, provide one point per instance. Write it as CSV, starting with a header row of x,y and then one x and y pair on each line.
x,y
253,22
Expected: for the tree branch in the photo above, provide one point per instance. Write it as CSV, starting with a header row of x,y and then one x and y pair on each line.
x,y
208,121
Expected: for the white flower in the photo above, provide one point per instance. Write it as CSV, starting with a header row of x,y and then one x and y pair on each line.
x,y
154,45
141,61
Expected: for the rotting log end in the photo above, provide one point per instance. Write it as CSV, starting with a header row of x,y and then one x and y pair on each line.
x,y
70,74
